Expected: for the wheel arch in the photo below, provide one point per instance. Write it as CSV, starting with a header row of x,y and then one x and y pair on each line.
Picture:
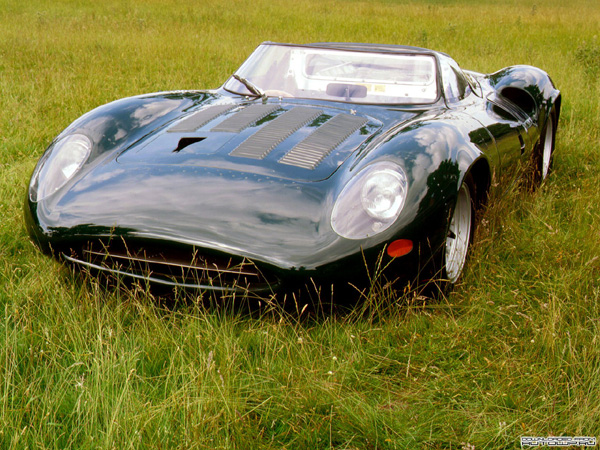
x,y
556,105
481,175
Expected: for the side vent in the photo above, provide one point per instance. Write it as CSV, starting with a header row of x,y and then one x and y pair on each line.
x,y
521,98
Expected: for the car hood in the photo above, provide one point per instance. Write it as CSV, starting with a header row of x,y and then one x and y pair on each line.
x,y
288,140
253,179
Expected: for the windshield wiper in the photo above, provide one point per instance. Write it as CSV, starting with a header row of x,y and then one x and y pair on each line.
x,y
251,86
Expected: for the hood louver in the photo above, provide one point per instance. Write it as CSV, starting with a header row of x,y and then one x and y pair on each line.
x,y
200,118
293,141
244,118
309,153
260,144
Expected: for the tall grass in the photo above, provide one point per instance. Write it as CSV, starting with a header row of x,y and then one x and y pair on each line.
x,y
512,352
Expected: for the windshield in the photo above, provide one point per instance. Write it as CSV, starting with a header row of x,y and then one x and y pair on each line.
x,y
342,75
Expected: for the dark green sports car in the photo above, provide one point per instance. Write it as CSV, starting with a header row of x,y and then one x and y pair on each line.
x,y
324,162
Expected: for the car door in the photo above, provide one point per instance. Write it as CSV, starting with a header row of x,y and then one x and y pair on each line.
x,y
506,123
509,126
464,101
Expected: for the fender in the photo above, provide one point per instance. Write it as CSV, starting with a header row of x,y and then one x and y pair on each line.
x,y
117,125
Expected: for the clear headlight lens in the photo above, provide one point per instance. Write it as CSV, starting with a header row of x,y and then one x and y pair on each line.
x,y
383,194
59,165
370,202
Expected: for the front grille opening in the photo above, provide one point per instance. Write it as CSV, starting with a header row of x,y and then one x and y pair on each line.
x,y
176,267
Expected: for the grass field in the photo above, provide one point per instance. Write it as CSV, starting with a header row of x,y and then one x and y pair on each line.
x,y
513,351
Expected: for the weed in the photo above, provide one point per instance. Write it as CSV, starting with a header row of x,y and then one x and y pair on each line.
x,y
511,352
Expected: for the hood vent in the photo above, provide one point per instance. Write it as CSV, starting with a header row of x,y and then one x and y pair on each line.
x,y
200,118
186,142
245,118
272,134
309,153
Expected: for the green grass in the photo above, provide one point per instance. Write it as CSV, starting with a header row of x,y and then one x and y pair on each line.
x,y
512,352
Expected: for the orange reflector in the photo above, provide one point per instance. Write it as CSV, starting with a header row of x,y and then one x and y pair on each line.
x,y
400,247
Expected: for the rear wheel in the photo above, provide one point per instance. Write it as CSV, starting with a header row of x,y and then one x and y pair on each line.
x,y
460,233
545,152
548,148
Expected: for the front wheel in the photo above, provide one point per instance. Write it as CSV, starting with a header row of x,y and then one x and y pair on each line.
x,y
460,234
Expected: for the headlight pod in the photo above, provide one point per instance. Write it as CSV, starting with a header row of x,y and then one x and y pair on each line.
x,y
370,202
59,165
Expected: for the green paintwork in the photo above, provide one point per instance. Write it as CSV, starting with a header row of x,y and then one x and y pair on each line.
x,y
139,185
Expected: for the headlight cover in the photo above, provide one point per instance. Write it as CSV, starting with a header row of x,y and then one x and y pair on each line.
x,y
370,202
59,165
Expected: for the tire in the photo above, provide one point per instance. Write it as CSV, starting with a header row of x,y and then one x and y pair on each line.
x,y
545,152
461,228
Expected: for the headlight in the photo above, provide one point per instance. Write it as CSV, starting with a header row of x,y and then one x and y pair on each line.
x,y
59,165
370,202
